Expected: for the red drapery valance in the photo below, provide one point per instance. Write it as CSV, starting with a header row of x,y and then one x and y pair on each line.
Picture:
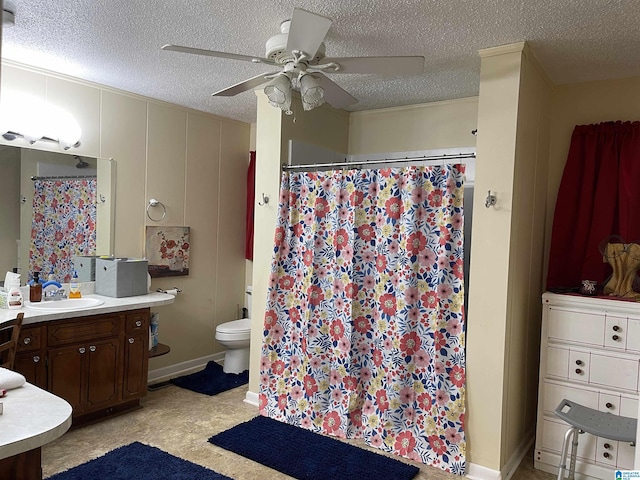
x,y
599,196
251,195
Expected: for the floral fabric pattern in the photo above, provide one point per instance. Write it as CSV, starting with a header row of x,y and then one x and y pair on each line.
x,y
63,225
364,324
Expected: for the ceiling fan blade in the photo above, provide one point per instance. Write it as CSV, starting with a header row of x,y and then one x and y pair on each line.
x,y
307,31
334,94
389,65
213,53
249,84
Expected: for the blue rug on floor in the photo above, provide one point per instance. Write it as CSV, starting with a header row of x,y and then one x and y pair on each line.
x,y
306,455
141,462
212,380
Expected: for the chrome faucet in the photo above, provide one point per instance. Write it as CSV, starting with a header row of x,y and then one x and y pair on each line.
x,y
57,294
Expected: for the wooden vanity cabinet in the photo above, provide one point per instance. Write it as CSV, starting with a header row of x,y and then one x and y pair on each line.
x,y
98,363
30,356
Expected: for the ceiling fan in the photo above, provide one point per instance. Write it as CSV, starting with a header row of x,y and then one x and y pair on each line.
x,y
299,51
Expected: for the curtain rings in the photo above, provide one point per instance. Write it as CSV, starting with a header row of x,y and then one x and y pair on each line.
x,y
154,203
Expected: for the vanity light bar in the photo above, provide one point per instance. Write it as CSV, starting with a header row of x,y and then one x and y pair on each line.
x,y
13,135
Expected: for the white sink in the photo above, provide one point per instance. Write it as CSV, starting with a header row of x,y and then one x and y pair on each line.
x,y
66,304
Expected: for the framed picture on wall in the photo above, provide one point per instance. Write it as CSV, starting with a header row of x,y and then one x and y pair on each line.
x,y
167,250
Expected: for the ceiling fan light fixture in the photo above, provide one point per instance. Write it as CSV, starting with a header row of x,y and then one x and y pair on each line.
x,y
311,92
278,91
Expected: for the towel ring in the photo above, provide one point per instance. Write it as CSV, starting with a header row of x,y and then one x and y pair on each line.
x,y
154,203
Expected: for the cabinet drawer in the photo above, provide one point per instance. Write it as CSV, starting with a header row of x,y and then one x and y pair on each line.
x,y
629,406
555,393
137,322
83,330
606,452
579,365
613,372
633,335
615,335
553,434
576,326
30,339
557,361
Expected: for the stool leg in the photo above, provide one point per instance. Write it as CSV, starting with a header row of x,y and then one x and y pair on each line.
x,y
571,433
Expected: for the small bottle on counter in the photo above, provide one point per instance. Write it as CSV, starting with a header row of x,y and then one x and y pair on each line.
x,y
74,286
35,288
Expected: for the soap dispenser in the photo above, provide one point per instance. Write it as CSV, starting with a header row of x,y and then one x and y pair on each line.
x,y
74,286
35,288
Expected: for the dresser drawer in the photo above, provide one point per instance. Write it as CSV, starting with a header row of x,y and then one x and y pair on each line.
x,y
553,435
555,393
576,326
613,371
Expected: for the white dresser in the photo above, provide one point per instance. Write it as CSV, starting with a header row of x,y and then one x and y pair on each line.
x,y
589,353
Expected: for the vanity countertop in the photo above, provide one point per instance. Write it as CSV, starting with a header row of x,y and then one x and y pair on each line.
x,y
32,417
110,305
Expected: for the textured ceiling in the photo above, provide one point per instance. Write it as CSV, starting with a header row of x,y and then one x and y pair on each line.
x,y
117,43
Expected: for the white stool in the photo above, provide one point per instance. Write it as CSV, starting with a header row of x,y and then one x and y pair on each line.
x,y
601,424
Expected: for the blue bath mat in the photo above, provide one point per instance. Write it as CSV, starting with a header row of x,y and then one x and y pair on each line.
x,y
306,455
212,380
141,462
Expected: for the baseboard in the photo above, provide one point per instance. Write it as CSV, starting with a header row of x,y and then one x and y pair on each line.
x,y
478,472
516,459
251,398
183,368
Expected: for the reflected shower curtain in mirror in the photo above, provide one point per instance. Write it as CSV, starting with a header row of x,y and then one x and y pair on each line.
x,y
363,332
63,225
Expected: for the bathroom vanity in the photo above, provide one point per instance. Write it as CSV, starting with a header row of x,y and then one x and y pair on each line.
x,y
95,358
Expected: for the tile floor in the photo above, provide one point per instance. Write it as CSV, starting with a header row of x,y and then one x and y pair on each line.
x,y
179,421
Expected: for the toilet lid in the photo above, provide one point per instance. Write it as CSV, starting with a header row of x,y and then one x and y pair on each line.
x,y
236,326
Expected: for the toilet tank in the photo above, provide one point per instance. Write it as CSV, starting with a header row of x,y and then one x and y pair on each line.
x,y
247,299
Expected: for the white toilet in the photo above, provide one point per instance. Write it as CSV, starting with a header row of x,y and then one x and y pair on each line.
x,y
235,336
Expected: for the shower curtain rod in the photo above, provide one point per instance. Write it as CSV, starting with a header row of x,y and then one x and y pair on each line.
x,y
459,156
63,177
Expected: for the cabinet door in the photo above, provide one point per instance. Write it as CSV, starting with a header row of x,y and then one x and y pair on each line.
x,y
32,366
66,374
104,373
136,364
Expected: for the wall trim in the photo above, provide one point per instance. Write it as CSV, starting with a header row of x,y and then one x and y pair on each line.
x,y
414,106
251,398
516,459
478,472
164,374
517,47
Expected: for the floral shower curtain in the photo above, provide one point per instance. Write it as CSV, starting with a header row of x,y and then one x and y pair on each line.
x,y
364,328
63,225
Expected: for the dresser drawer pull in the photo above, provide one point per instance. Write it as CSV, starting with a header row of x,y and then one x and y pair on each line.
x,y
82,350
607,446
131,340
578,371
609,405
27,340
92,348
606,455
36,359
616,338
138,323
579,362
616,328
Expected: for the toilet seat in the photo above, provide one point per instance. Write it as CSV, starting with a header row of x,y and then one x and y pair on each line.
x,y
234,330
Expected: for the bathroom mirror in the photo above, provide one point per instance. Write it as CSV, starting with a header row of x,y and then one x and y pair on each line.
x,y
23,169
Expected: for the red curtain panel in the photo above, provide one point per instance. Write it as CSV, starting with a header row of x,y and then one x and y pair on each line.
x,y
251,194
599,196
